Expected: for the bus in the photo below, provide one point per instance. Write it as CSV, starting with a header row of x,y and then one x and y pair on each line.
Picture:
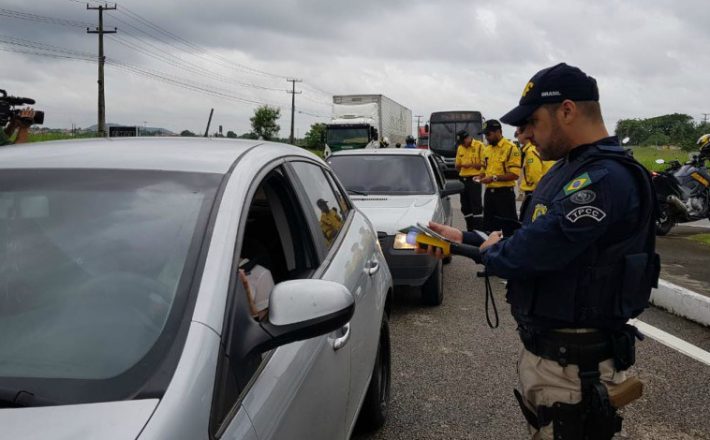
x,y
443,127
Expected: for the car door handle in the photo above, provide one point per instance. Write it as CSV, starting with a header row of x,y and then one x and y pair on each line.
x,y
372,267
341,341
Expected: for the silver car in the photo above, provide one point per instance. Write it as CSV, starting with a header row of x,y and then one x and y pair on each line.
x,y
397,188
127,295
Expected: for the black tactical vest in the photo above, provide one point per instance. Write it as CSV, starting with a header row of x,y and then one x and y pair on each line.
x,y
611,281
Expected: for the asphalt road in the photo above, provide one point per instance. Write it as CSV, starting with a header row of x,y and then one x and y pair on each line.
x,y
686,262
452,376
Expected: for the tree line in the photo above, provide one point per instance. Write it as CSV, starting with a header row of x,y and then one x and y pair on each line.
x,y
264,125
676,129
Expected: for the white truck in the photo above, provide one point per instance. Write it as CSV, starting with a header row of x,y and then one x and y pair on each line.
x,y
366,121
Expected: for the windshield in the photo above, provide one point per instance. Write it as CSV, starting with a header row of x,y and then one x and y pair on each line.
x,y
347,137
92,266
442,135
383,174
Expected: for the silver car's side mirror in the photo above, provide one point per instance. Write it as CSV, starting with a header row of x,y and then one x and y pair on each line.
x,y
300,301
298,310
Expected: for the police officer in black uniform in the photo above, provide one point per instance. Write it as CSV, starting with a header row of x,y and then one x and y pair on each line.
x,y
582,264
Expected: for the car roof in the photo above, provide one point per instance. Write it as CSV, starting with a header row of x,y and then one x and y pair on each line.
x,y
190,154
384,151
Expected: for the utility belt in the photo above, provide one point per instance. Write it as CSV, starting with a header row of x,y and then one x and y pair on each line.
x,y
583,348
502,189
467,178
595,417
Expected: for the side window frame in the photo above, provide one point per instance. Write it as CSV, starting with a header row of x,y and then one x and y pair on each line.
x,y
306,205
236,310
440,181
339,192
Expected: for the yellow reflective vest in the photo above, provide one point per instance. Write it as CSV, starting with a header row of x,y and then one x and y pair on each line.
x,y
330,224
471,155
533,167
499,159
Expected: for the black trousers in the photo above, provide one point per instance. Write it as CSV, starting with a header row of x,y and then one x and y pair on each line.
x,y
471,206
526,202
498,202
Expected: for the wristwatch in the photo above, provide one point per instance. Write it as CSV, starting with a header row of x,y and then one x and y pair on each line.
x,y
495,178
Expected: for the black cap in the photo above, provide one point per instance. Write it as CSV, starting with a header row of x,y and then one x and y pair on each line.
x,y
551,85
461,135
490,125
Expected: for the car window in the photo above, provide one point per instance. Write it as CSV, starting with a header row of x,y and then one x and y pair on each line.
x,y
94,265
275,246
327,207
389,174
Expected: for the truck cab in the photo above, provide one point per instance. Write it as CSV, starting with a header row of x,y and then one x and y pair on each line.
x,y
350,135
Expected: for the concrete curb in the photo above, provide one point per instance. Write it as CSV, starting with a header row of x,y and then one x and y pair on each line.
x,y
682,302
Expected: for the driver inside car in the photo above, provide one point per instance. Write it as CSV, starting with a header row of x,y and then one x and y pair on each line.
x,y
258,283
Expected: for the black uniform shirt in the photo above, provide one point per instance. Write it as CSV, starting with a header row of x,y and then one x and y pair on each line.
x,y
570,210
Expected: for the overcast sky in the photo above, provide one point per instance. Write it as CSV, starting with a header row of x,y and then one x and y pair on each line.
x,y
650,57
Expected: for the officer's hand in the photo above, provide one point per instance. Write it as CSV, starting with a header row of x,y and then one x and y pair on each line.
x,y
487,180
429,250
494,238
448,232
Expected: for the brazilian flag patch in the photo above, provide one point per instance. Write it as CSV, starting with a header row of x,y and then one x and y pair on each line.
x,y
576,184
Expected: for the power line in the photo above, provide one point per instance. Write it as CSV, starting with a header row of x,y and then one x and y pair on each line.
x,y
190,48
20,15
197,50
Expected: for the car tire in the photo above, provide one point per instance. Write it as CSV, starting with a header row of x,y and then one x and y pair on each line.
x,y
376,403
433,288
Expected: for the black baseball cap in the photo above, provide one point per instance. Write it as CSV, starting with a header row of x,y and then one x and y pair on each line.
x,y
551,85
490,125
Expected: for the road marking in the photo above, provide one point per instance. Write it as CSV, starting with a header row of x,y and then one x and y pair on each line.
x,y
673,342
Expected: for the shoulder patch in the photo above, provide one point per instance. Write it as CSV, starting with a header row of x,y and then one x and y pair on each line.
x,y
540,209
583,197
592,212
578,183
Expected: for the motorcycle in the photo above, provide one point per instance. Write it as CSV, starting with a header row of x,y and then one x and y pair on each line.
x,y
683,192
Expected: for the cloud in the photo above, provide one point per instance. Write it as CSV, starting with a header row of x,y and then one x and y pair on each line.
x,y
648,56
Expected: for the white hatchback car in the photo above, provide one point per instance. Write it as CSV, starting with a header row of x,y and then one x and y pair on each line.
x,y
397,188
124,312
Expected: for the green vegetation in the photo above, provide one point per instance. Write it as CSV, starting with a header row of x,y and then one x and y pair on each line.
x,y
676,129
56,136
314,138
263,123
648,155
702,238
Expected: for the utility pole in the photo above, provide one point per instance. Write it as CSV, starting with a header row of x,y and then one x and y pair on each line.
x,y
100,31
419,118
705,118
293,93
209,121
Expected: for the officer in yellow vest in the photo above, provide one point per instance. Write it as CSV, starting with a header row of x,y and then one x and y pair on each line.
x,y
501,170
330,221
533,169
469,162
